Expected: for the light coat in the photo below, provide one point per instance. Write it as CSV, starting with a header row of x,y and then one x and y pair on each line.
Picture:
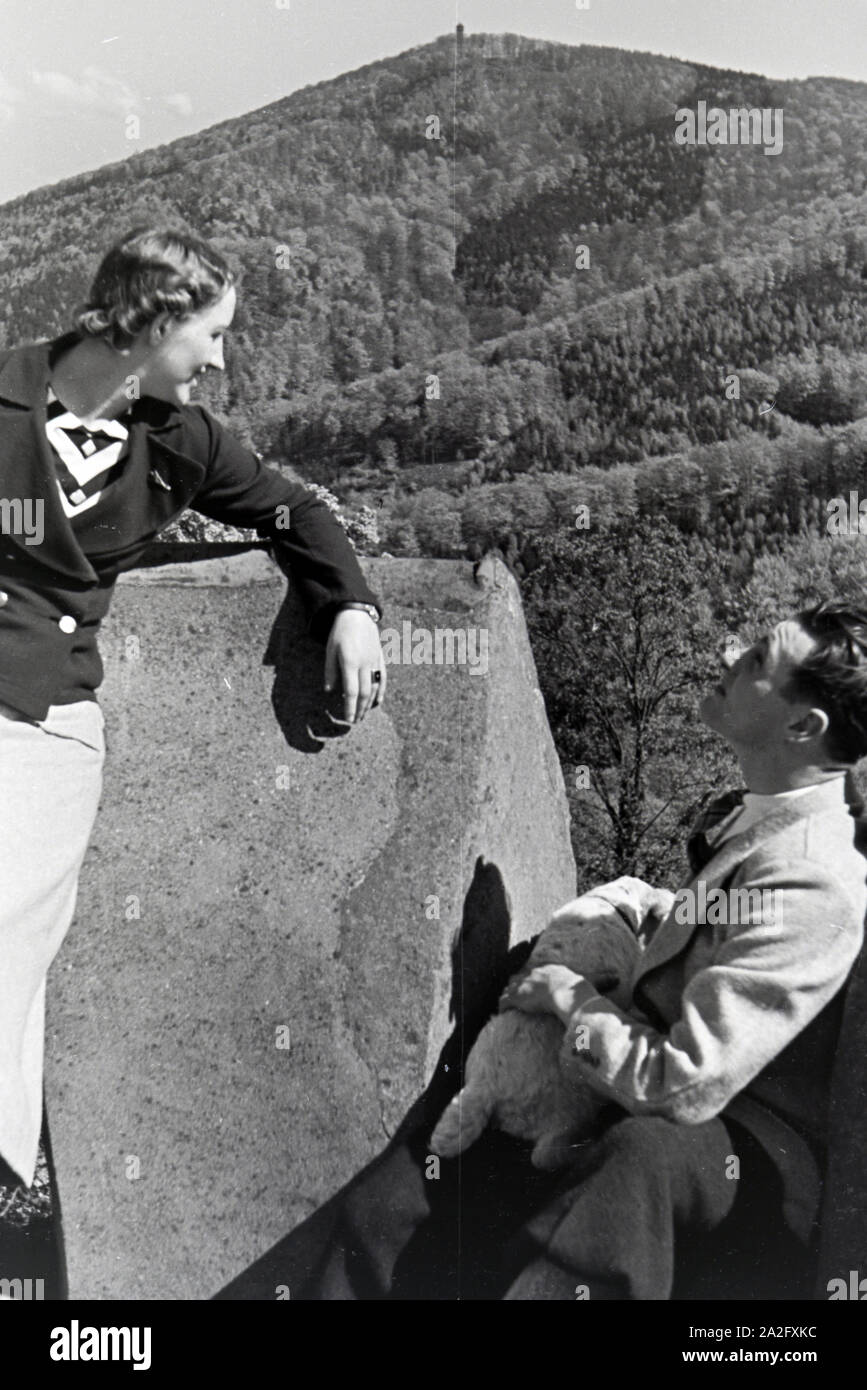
x,y
740,1017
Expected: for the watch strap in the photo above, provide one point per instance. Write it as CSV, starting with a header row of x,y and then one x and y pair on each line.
x,y
367,608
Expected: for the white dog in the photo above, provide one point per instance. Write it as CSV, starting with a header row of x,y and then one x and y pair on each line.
x,y
513,1075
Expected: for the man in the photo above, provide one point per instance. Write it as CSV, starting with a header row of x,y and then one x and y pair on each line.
x,y
754,948
717,1073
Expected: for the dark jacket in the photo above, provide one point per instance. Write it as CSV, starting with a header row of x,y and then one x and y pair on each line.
x,y
53,595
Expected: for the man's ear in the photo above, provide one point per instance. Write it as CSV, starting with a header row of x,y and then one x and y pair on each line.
x,y
812,725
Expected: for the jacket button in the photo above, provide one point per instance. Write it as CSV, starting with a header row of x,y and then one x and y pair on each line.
x,y
67,624
4,598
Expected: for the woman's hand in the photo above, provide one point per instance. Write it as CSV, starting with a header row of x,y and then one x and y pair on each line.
x,y
549,989
353,651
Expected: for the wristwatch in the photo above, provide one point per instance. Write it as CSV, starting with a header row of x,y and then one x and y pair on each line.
x,y
367,608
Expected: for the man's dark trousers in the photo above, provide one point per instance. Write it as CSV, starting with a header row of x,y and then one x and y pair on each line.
x,y
644,1197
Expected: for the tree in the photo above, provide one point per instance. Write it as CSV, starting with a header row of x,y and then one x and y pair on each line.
x,y
823,391
437,522
808,570
625,641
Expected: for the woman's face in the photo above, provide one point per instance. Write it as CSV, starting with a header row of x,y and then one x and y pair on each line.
x,y
184,349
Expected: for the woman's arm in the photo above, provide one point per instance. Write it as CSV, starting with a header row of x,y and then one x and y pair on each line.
x,y
312,548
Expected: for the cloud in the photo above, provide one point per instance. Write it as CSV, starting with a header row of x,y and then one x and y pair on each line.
x,y
180,102
95,89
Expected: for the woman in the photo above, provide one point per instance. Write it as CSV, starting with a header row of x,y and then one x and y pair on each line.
x,y
100,449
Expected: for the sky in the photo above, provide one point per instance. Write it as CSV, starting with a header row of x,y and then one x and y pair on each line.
x,y
74,72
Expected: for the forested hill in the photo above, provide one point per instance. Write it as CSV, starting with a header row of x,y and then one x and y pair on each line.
x,y
638,367
382,266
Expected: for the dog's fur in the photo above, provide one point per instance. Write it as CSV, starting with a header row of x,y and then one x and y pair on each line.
x,y
513,1075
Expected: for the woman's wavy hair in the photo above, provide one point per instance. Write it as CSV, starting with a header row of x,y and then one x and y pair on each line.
x,y
150,271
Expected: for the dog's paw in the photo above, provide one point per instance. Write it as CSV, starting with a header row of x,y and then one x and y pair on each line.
x,y
461,1123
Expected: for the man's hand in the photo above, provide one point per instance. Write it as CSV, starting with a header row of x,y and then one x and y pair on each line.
x,y
551,989
353,651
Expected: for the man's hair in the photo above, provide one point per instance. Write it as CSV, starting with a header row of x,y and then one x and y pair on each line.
x,y
834,676
151,271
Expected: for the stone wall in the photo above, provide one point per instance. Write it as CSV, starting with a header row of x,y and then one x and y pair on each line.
x,y
270,928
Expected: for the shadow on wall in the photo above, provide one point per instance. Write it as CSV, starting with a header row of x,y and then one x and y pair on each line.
x,y
481,965
308,717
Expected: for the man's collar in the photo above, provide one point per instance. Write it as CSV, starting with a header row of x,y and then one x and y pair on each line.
x,y
823,796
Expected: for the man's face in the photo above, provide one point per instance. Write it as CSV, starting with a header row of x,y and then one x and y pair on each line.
x,y
747,707
189,346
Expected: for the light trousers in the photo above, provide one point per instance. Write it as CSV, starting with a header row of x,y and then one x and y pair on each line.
x,y
50,785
